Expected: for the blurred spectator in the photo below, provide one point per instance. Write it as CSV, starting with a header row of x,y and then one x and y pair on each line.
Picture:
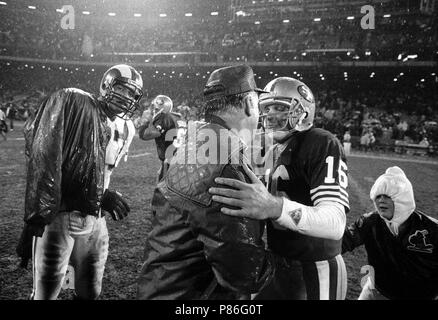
x,y
11,114
3,125
347,142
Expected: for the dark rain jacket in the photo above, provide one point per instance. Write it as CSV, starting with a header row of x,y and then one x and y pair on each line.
x,y
194,251
406,266
65,145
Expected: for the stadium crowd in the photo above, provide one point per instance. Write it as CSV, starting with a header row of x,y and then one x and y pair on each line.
x,y
39,35
410,116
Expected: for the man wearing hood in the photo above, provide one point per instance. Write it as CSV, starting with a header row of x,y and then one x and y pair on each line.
x,y
401,242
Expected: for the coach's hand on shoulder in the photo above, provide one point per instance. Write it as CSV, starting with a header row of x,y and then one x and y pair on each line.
x,y
253,198
113,203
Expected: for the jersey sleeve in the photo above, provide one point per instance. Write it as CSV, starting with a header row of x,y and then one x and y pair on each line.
x,y
328,172
164,122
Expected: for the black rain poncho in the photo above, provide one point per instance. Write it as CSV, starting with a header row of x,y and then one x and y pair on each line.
x,y
65,145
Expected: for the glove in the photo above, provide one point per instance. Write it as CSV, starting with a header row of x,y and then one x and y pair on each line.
x,y
24,247
113,203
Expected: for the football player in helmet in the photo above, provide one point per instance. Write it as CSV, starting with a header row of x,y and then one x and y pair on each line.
x,y
65,192
305,199
164,126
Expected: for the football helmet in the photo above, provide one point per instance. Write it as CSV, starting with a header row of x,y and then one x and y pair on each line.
x,y
162,103
289,105
127,77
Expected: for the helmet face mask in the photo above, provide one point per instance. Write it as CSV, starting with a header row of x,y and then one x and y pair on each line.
x,y
121,88
282,116
289,105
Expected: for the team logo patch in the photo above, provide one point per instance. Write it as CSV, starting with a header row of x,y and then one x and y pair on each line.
x,y
306,94
418,242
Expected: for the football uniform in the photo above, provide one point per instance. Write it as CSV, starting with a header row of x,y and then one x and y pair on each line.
x,y
309,168
122,133
166,129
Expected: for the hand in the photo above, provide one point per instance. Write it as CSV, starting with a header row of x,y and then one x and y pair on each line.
x,y
253,198
113,203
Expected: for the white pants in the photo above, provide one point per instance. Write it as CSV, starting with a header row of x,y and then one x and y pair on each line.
x,y
82,241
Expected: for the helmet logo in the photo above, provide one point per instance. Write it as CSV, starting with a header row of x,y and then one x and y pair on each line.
x,y
306,93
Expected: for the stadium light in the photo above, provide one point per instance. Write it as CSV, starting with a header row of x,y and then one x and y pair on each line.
x,y
214,13
286,21
387,16
188,14
350,18
112,14
3,3
317,19
163,15
31,7
86,12
137,15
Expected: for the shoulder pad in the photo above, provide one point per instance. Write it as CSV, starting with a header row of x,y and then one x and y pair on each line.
x,y
176,114
76,91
